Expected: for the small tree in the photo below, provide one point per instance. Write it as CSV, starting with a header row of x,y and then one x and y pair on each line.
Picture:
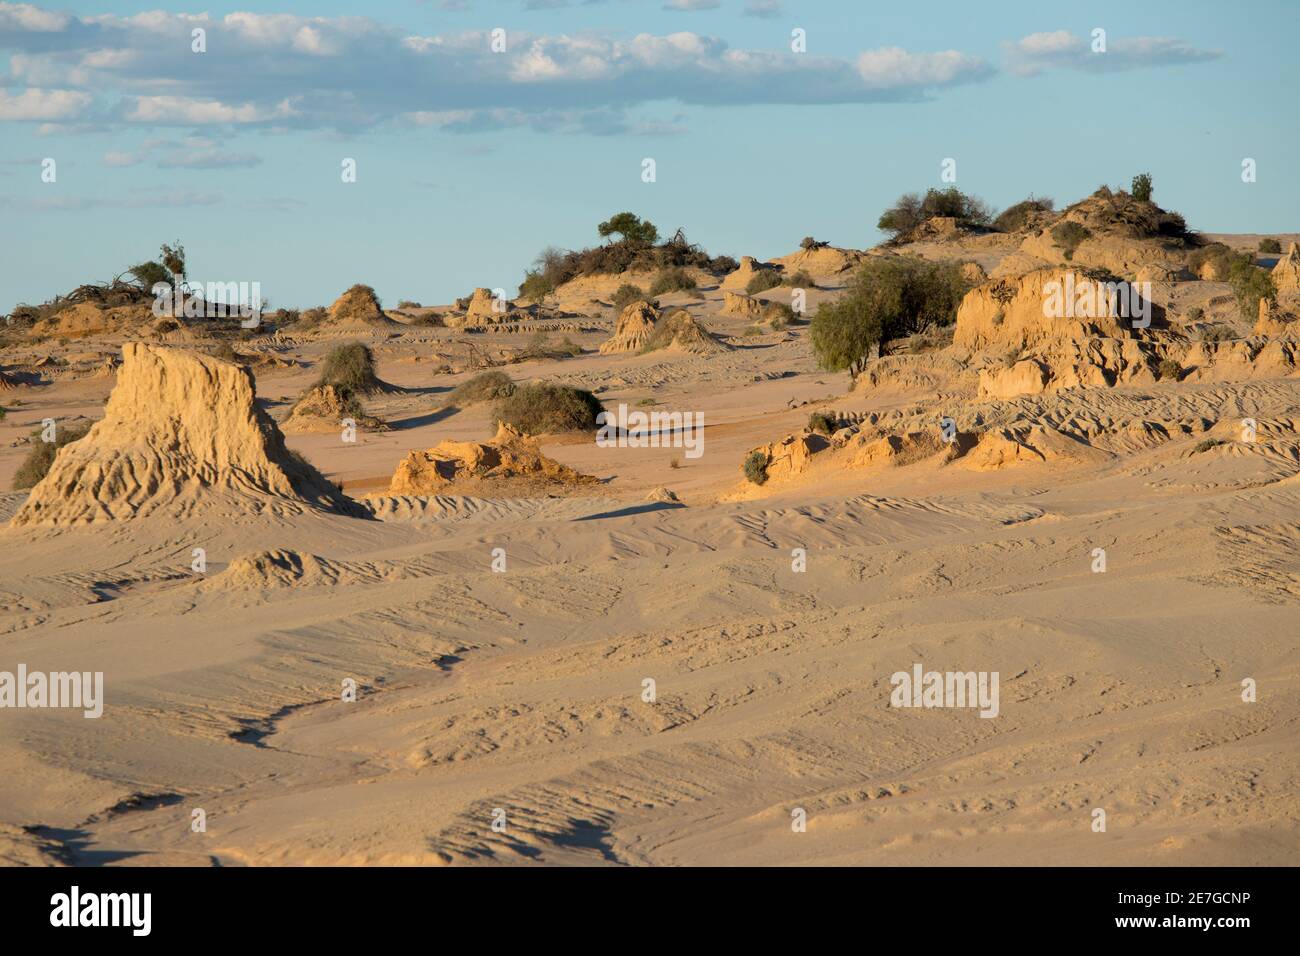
x,y
1141,187
630,228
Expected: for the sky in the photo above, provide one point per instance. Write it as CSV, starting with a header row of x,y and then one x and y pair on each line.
x,y
470,160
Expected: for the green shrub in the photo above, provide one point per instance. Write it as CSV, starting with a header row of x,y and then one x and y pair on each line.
x,y
1250,284
673,279
535,286
910,210
1141,187
762,281
350,366
887,298
800,280
38,461
821,423
630,227
483,387
626,295
1270,245
808,244
1067,236
541,408
408,304
1205,444
755,467
1169,370
149,274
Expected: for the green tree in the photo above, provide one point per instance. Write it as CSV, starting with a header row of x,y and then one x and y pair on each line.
x,y
630,228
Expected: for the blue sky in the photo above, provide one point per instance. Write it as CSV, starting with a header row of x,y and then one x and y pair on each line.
x,y
469,162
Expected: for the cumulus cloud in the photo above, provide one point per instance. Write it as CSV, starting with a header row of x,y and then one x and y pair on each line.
x,y
194,152
35,103
350,73
1063,50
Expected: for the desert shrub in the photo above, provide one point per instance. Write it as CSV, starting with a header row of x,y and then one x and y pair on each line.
x,y
778,315
312,317
808,244
1140,189
1169,370
349,366
755,467
544,408
887,298
910,210
752,330
762,281
720,264
1205,444
1195,314
1270,245
540,347
1213,253
1216,333
1067,236
821,423
1017,217
536,286
635,251
673,279
408,304
483,387
149,274
1249,284
625,295
800,280
226,352
38,461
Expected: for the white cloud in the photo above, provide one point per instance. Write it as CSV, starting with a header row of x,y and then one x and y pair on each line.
x,y
35,103
350,73
24,16
1061,49
766,9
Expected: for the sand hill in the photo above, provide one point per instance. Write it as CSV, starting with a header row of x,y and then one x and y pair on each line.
x,y
324,408
679,332
358,308
821,261
509,461
633,329
181,433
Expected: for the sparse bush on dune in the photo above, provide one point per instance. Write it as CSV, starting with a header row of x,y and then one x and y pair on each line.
x,y
762,281
674,279
886,299
1022,214
1140,189
350,366
541,408
755,467
540,347
910,210
1068,236
483,387
408,304
37,463
626,295
808,244
226,352
1250,284
1270,245
1169,370
799,280
821,423
637,249
535,286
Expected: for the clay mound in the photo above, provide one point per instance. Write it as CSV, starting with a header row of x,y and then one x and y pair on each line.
x,y
510,460
283,568
734,303
323,408
739,278
1286,274
821,261
1010,311
679,332
1007,447
359,306
181,433
633,329
481,310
